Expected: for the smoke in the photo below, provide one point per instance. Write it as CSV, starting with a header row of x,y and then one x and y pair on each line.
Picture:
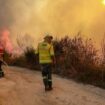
x,y
6,18
58,17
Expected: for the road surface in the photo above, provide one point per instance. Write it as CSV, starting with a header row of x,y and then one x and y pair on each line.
x,y
24,87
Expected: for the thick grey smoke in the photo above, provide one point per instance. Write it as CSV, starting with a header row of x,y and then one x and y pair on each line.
x,y
58,17
6,18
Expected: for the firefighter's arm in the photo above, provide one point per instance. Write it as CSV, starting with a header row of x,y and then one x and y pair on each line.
x,y
52,54
3,62
37,50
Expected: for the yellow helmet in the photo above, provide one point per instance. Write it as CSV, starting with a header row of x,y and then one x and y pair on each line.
x,y
48,36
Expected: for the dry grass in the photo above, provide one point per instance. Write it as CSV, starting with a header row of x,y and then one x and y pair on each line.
x,y
76,58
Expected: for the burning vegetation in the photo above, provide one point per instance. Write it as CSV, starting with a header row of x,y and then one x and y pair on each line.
x,y
5,41
76,58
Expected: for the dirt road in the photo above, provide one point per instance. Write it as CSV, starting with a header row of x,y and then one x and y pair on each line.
x,y
24,87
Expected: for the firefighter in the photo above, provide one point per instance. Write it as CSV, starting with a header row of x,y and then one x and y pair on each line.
x,y
45,53
1,60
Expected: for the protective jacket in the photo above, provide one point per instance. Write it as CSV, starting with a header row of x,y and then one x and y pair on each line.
x,y
45,51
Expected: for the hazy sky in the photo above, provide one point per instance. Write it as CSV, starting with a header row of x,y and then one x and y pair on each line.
x,y
58,17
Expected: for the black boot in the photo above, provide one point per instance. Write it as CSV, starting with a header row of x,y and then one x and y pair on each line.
x,y
50,86
1,74
45,81
46,88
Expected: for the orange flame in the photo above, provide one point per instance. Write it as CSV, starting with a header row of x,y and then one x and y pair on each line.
x,y
5,40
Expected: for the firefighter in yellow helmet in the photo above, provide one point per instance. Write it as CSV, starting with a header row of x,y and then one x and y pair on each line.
x,y
45,51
